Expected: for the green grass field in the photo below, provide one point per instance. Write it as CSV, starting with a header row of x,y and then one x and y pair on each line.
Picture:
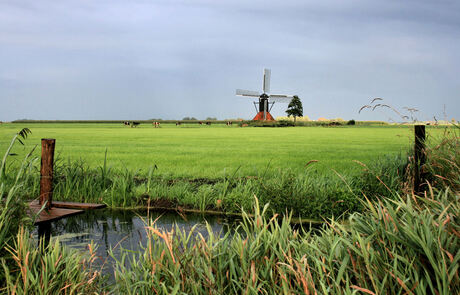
x,y
218,150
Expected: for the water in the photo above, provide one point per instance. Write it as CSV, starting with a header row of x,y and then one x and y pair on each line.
x,y
125,229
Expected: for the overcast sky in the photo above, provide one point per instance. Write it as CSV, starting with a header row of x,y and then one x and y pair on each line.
x,y
118,59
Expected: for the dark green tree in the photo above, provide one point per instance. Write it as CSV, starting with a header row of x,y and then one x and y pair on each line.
x,y
295,108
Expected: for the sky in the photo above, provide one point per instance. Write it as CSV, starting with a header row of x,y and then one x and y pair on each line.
x,y
169,59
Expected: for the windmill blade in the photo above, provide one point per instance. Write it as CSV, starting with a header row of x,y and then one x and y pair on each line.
x,y
267,74
242,92
281,97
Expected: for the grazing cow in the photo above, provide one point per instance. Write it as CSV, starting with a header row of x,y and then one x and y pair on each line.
x,y
229,123
201,123
126,123
156,124
178,123
208,123
135,124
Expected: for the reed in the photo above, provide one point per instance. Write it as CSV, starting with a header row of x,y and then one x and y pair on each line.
x,y
12,203
309,194
51,269
443,165
396,243
403,246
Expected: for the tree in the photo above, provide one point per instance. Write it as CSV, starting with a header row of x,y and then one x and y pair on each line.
x,y
295,108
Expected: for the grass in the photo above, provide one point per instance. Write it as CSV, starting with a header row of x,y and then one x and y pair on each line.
x,y
309,194
50,269
398,243
407,246
314,191
192,151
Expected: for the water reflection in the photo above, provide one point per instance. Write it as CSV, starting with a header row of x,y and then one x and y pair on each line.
x,y
125,229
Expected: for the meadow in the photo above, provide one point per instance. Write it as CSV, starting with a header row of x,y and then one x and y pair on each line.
x,y
193,151
313,172
381,238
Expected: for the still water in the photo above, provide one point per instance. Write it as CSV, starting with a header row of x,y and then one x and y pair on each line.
x,y
125,229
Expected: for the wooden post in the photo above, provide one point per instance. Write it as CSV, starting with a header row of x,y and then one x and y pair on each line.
x,y
419,157
46,172
44,232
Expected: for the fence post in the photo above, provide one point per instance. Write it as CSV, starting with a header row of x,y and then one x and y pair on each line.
x,y
46,172
419,157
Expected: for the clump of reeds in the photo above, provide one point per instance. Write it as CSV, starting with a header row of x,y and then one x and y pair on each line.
x,y
443,160
51,269
307,194
406,246
12,204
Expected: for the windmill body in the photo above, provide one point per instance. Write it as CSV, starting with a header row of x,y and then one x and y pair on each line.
x,y
266,100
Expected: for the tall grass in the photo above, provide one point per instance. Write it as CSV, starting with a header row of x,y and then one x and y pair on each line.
x,y
13,208
50,269
310,194
406,246
443,160
394,244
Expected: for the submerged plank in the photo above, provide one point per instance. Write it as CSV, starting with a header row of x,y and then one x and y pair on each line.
x,y
75,205
50,214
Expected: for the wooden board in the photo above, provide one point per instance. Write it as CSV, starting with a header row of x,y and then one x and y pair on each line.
x,y
51,214
74,205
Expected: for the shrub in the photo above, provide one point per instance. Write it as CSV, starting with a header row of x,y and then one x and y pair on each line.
x,y
351,122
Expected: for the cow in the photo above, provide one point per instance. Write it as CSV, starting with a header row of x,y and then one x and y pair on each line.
x,y
156,124
126,123
229,123
201,123
135,124
208,123
178,123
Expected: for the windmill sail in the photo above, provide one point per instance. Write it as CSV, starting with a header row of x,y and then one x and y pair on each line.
x,y
243,92
281,97
267,74
265,98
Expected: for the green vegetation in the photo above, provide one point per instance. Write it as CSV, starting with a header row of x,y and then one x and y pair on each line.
x,y
321,182
407,246
216,151
52,269
398,243
295,108
310,194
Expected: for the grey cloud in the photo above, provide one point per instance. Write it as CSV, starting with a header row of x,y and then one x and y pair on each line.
x,y
169,59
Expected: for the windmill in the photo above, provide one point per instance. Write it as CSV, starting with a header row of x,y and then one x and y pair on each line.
x,y
266,100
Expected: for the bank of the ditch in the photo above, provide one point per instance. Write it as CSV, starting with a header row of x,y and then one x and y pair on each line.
x,y
309,195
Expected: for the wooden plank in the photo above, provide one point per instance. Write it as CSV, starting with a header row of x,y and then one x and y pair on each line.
x,y
50,214
75,205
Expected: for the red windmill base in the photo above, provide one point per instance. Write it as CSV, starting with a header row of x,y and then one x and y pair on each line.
x,y
260,117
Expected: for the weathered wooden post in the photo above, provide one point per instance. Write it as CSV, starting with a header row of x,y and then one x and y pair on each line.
x,y
419,157
46,172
